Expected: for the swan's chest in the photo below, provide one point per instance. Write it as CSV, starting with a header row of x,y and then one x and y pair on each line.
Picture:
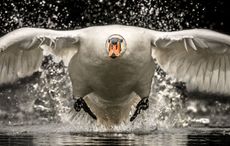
x,y
115,78
112,72
109,77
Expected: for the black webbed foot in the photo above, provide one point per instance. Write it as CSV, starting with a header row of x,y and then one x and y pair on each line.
x,y
80,103
142,105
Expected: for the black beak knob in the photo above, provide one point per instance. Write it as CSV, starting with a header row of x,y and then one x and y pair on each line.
x,y
113,56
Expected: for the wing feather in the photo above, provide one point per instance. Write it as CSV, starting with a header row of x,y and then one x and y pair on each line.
x,y
197,56
22,50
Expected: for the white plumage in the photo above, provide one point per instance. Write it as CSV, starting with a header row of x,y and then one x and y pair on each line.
x,y
199,57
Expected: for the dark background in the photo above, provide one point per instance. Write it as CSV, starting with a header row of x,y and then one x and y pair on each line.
x,y
165,15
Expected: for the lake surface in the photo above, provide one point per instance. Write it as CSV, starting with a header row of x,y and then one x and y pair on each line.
x,y
165,137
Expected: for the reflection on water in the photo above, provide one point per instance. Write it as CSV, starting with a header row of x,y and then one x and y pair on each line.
x,y
172,137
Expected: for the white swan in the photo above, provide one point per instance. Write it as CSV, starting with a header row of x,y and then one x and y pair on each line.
x,y
111,67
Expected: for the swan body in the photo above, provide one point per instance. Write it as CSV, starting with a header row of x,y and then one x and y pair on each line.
x,y
112,66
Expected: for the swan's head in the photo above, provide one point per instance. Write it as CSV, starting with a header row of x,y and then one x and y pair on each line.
x,y
115,45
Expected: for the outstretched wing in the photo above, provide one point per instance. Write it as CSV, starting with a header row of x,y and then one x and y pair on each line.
x,y
21,51
199,57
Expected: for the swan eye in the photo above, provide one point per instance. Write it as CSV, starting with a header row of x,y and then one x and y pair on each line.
x,y
108,40
121,40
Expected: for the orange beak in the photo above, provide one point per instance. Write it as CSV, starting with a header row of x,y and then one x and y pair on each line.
x,y
114,50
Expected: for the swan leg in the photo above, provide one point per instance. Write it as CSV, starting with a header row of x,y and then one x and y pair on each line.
x,y
81,104
142,105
